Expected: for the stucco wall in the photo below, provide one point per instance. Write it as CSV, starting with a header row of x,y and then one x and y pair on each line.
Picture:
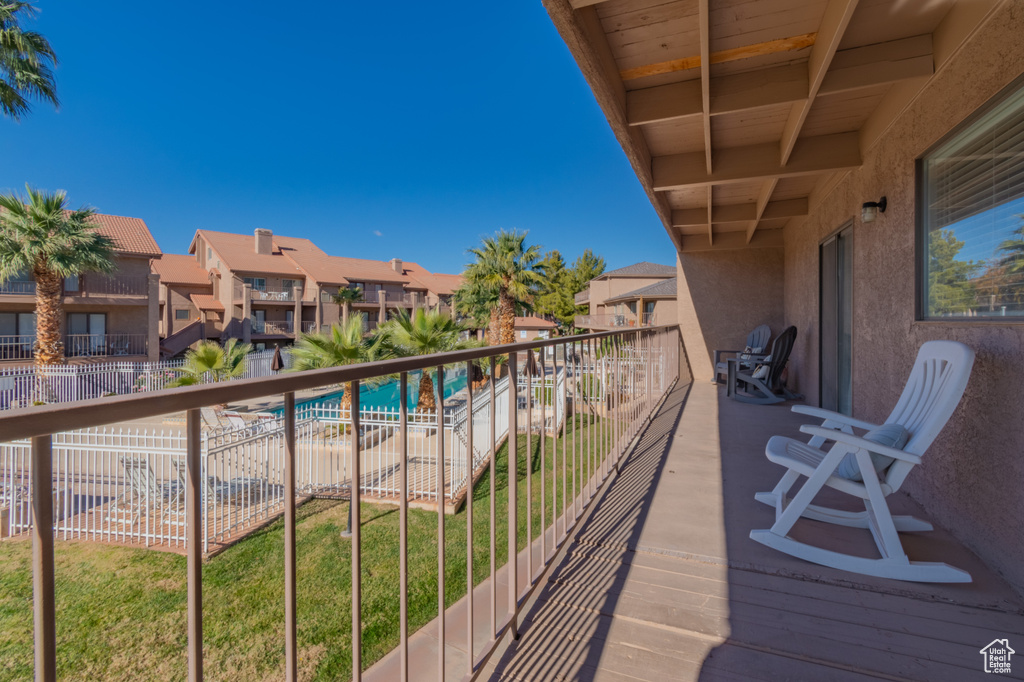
x,y
722,296
970,482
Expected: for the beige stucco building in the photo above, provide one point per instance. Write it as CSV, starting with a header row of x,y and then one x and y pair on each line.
x,y
106,317
636,295
765,157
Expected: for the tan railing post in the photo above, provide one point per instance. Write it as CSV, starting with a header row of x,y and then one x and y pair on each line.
x,y
565,433
543,440
492,414
529,465
45,615
356,547
469,513
193,541
290,652
439,407
513,502
403,524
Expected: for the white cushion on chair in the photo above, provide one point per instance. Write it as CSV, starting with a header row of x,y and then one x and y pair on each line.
x,y
891,435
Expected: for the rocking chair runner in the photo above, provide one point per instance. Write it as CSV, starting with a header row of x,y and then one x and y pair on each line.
x,y
763,384
936,384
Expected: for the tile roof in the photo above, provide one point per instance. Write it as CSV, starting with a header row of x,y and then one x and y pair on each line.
x,y
176,268
130,235
663,289
642,269
435,282
359,270
534,322
206,302
238,252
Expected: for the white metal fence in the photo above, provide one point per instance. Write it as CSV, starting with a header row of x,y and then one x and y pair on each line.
x,y
27,385
128,485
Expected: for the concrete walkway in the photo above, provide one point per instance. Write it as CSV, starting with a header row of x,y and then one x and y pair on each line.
x,y
662,582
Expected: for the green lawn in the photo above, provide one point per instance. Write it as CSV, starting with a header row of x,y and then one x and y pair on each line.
x,y
121,611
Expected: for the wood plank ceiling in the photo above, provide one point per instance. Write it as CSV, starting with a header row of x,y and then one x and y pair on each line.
x,y
733,111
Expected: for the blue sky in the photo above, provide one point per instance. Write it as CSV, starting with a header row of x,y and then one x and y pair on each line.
x,y
405,129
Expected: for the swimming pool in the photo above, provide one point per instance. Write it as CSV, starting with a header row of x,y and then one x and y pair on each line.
x,y
386,395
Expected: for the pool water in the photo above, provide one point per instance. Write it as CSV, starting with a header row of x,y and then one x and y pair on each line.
x,y
386,395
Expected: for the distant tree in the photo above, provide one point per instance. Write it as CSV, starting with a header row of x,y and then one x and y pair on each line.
x,y
556,293
479,304
39,236
1012,250
210,362
26,62
506,266
423,333
585,268
343,345
950,289
345,297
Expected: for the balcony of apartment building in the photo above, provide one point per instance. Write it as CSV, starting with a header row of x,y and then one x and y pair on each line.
x,y
110,333
87,288
634,562
583,297
610,321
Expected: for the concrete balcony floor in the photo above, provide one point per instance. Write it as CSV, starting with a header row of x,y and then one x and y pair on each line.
x,y
660,580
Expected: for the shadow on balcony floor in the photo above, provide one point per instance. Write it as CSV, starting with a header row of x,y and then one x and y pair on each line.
x,y
663,582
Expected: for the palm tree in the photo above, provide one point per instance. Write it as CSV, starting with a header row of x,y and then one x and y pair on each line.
x,y
344,345
26,62
41,237
208,361
1012,260
480,304
345,297
505,266
423,333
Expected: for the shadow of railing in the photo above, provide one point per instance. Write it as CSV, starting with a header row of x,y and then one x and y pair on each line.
x,y
592,588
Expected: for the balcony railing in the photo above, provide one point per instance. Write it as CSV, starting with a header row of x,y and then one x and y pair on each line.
x,y
104,345
20,347
308,327
273,294
114,285
273,328
582,297
611,381
18,287
604,321
88,285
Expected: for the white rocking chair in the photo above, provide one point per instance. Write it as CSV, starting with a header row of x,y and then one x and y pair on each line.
x,y
933,391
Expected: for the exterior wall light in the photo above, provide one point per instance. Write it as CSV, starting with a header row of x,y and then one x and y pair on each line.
x,y
870,210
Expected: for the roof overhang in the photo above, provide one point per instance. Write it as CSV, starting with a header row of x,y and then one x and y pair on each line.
x,y
736,115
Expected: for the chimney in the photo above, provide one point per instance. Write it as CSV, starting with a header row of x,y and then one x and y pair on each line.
x,y
264,241
396,265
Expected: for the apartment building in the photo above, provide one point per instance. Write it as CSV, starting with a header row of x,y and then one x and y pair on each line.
x,y
636,295
107,317
267,288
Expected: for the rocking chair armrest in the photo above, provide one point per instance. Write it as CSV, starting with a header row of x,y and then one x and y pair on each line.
x,y
858,442
821,413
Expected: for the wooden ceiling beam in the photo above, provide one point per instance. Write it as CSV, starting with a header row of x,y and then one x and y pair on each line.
x,y
763,239
852,69
824,153
863,67
704,18
790,44
833,26
761,205
740,213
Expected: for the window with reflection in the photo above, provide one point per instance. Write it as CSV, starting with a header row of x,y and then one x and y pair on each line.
x,y
972,216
